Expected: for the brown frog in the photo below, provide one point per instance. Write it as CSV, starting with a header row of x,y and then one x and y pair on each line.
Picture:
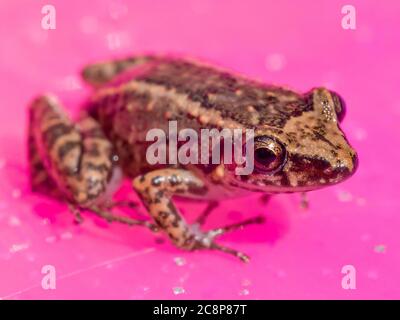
x,y
298,144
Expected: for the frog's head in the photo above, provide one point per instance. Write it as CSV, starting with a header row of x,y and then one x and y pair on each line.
x,y
308,151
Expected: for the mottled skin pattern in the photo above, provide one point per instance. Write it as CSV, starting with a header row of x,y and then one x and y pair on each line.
x,y
299,145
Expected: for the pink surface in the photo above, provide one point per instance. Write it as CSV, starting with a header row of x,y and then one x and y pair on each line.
x,y
296,253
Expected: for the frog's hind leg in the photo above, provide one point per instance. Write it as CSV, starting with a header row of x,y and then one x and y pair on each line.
x,y
156,189
39,177
75,159
100,73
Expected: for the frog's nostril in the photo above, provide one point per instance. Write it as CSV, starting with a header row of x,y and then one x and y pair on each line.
x,y
355,162
346,167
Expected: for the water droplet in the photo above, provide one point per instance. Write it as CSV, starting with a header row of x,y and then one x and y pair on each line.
x,y
45,221
2,163
275,62
13,221
180,261
344,196
16,193
380,248
16,247
360,134
50,239
70,83
178,290
66,235
244,292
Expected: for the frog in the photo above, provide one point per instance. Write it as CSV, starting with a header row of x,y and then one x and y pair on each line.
x,y
299,145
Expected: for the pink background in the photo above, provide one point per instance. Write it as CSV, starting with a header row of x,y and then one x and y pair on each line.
x,y
296,253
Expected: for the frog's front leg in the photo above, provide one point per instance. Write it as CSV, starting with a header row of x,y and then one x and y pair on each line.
x,y
156,189
74,159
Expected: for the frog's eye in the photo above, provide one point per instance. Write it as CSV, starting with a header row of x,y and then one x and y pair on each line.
x,y
269,154
340,106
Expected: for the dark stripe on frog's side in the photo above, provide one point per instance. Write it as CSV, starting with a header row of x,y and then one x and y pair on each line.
x,y
66,147
55,132
226,93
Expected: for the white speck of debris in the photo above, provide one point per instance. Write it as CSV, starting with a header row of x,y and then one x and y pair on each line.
x,y
50,239
115,158
2,163
345,196
180,261
13,221
275,62
380,248
66,235
16,247
70,83
16,193
244,292
178,290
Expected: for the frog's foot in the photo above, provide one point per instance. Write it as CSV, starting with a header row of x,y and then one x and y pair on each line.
x,y
156,189
110,217
206,240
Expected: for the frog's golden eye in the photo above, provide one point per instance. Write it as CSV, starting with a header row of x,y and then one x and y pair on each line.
x,y
269,154
340,105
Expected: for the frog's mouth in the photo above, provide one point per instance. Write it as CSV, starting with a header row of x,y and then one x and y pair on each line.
x,y
298,175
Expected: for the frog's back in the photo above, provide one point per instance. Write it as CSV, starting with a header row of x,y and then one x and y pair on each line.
x,y
197,94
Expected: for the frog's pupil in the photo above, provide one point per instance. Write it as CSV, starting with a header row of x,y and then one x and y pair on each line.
x,y
264,156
